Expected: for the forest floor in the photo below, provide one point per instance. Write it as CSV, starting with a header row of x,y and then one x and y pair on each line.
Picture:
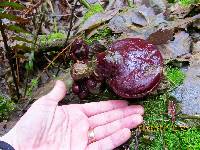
x,y
35,43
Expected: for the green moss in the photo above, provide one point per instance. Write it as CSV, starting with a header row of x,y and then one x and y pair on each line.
x,y
101,34
188,2
189,139
6,107
175,76
173,140
158,132
93,9
184,2
51,37
31,87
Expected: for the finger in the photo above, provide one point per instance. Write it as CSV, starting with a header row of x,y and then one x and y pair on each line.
x,y
111,141
129,122
107,117
55,95
94,108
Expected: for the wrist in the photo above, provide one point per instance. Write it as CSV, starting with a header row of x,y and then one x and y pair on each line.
x,y
5,146
9,139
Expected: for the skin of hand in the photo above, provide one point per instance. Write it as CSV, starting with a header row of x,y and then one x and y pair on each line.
x,y
48,126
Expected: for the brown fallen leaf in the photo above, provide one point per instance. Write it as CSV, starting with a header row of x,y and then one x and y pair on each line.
x,y
98,19
178,47
177,11
196,47
139,16
159,6
116,4
180,23
161,36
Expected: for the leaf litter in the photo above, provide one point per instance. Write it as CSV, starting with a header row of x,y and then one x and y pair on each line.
x,y
161,23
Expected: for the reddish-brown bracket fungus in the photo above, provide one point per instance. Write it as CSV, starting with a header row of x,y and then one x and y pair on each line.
x,y
132,67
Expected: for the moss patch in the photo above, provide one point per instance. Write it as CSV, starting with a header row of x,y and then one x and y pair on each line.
x,y
188,2
184,2
93,9
101,34
175,76
51,37
173,140
6,107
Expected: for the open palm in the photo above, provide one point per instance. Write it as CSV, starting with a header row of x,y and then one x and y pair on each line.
x,y
49,126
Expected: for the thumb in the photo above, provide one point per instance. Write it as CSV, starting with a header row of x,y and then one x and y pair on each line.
x,y
56,94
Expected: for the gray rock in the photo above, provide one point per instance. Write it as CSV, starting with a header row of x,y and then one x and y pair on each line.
x,y
189,92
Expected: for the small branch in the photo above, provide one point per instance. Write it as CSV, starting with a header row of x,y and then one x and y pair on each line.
x,y
71,22
8,52
69,31
38,29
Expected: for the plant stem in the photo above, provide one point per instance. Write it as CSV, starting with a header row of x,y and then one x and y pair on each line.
x,y
85,3
130,3
8,52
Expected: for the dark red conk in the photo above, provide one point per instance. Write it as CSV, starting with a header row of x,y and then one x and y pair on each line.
x,y
132,67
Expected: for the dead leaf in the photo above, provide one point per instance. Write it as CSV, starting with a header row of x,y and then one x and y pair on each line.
x,y
196,47
115,4
159,6
122,21
146,12
178,47
161,37
137,21
196,24
180,23
177,11
98,19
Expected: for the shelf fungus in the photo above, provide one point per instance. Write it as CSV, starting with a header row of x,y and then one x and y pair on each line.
x,y
131,67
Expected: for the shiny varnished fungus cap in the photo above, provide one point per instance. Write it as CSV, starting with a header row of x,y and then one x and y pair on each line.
x,y
132,67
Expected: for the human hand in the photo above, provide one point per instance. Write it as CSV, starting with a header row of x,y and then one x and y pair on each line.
x,y
48,126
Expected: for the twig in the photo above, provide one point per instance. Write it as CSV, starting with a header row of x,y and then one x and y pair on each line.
x,y
8,52
17,66
38,29
137,133
71,23
69,31
57,57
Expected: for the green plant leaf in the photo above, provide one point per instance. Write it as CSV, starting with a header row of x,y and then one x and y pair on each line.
x,y
12,4
8,16
18,38
1,10
16,29
93,9
6,107
12,17
22,47
29,63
